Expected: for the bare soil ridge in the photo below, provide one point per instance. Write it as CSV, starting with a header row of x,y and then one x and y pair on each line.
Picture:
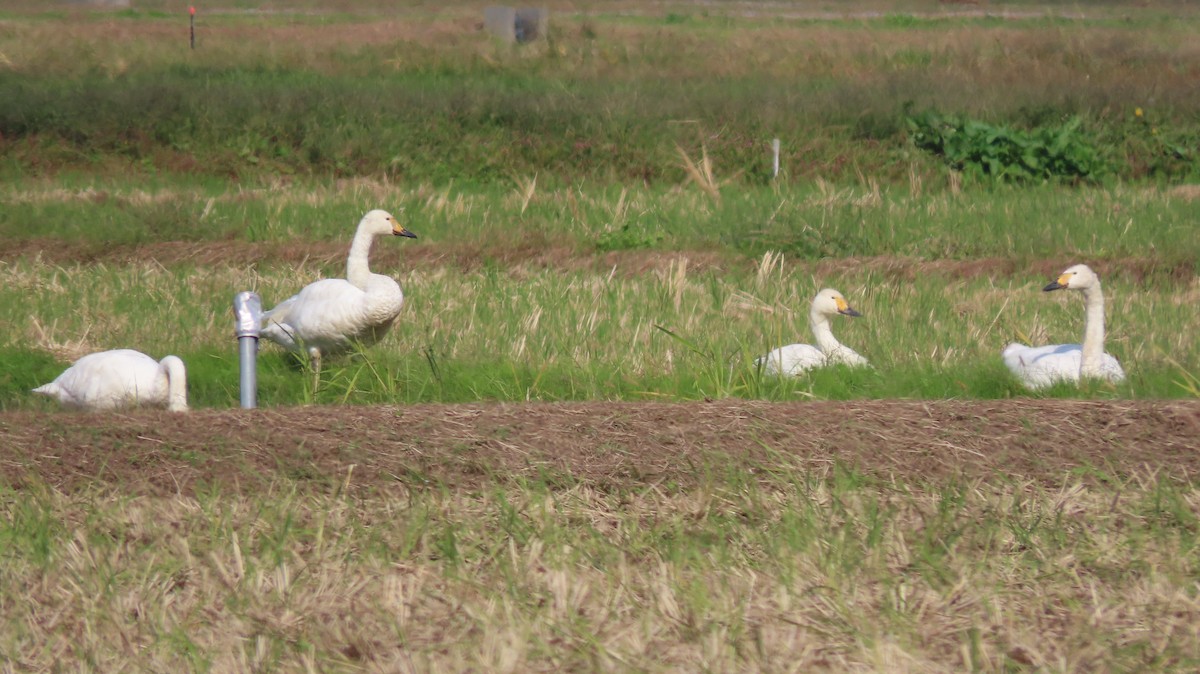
x,y
607,445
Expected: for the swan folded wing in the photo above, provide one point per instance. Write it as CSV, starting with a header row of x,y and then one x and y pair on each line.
x,y
791,359
327,314
1042,366
844,355
1110,368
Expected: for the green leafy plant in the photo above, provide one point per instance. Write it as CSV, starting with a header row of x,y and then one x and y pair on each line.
x,y
1062,152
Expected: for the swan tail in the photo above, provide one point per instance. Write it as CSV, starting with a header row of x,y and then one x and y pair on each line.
x,y
279,311
176,383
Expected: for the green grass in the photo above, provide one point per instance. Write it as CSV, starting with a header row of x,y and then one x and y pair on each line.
x,y
805,222
945,279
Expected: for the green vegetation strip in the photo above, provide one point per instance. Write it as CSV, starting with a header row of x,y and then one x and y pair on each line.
x,y
526,292
430,97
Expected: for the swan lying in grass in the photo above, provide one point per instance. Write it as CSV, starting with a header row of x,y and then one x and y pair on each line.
x,y
117,379
330,316
795,359
1038,367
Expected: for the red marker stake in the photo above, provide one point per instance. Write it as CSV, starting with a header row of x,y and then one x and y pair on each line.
x,y
192,24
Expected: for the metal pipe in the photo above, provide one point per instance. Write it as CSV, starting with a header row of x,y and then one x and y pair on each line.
x,y
247,312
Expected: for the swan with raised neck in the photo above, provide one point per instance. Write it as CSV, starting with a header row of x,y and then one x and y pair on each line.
x,y
1042,366
797,358
333,315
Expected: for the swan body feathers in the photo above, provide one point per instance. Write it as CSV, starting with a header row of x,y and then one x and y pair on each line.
x,y
112,380
1042,366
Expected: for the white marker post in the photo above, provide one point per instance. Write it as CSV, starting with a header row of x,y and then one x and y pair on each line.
x,y
247,312
775,162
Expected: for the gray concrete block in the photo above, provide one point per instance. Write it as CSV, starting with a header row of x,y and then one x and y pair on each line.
x,y
517,25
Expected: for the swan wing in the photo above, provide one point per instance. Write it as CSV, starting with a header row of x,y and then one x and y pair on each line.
x,y
844,355
327,314
792,359
1042,366
1110,368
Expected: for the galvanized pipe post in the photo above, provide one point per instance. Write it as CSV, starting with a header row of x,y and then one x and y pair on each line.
x,y
247,312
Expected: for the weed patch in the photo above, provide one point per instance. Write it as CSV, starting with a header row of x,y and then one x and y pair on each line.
x,y
1004,154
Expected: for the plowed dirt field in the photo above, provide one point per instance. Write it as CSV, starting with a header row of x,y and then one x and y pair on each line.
x,y
609,445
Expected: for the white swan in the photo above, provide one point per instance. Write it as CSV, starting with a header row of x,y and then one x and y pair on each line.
x,y
1038,367
795,359
331,315
111,380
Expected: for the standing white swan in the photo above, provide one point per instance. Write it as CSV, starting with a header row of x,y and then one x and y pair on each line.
x,y
795,359
1038,367
331,315
111,380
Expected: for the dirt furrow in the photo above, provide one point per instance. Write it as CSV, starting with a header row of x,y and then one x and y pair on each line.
x,y
609,445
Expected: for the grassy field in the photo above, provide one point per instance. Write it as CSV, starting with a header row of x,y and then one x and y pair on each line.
x,y
519,293
599,229
609,97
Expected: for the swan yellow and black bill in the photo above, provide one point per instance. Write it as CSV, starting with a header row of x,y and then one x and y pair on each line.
x,y
845,309
400,230
1058,284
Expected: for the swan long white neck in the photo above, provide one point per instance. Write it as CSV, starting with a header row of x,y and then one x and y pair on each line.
x,y
822,333
176,383
1093,333
357,270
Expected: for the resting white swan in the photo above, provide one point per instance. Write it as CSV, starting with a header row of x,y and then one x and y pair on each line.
x,y
112,380
797,358
1044,365
331,315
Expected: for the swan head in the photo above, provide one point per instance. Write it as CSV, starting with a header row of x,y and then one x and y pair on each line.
x,y
381,223
1078,277
829,302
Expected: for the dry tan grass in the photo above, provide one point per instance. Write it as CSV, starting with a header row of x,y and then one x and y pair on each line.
x,y
700,172
1184,192
588,580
